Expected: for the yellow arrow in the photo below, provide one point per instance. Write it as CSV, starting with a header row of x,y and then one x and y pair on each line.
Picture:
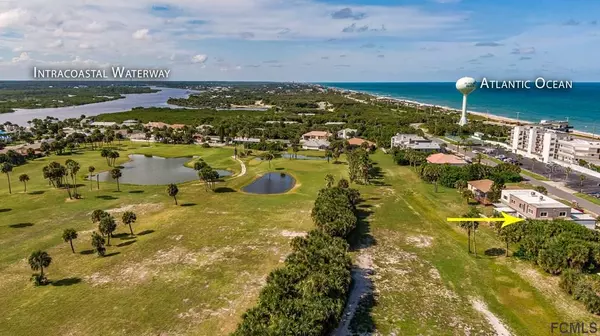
x,y
506,218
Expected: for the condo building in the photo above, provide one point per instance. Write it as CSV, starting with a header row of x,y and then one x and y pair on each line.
x,y
572,150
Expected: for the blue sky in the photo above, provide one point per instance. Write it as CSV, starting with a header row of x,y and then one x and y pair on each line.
x,y
307,40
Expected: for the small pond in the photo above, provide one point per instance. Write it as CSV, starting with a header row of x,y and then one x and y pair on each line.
x,y
302,157
271,183
156,170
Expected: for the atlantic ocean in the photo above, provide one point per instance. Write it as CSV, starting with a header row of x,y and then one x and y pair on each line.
x,y
580,104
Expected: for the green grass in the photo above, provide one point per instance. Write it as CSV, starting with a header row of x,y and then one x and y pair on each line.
x,y
534,175
200,266
588,198
415,244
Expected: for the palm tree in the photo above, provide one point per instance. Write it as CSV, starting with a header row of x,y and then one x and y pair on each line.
x,y
329,181
581,179
460,185
343,183
107,226
6,168
73,168
128,219
98,214
24,178
113,155
172,190
98,244
568,171
37,261
467,195
68,236
91,170
328,155
472,226
479,156
105,152
295,150
116,175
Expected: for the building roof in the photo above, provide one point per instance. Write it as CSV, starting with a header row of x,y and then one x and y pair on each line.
x,y
482,185
441,158
130,121
533,197
423,145
317,133
359,141
154,124
103,123
335,123
316,143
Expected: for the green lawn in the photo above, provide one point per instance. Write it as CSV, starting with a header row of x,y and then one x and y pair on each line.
x,y
193,269
425,279
588,198
534,175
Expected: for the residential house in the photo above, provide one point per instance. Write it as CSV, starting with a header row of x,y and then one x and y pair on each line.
x,y
5,136
103,124
480,190
357,142
414,142
315,144
531,204
347,133
130,122
153,125
316,135
450,159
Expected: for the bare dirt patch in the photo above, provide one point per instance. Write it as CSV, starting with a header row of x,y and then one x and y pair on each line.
x,y
141,208
419,241
292,234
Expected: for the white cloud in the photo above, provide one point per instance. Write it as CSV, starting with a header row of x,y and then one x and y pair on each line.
x,y
12,17
23,57
141,34
199,58
85,46
56,44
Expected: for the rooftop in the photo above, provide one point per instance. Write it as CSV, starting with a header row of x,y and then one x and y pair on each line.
x,y
359,141
317,133
441,158
535,198
482,185
424,145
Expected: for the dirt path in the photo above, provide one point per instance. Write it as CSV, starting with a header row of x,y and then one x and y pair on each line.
x,y
498,326
243,167
361,286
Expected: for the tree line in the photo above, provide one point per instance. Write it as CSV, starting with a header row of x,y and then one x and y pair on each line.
x,y
308,294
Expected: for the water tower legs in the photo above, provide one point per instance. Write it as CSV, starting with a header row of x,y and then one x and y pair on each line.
x,y
463,117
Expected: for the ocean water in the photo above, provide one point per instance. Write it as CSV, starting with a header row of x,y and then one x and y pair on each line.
x,y
581,104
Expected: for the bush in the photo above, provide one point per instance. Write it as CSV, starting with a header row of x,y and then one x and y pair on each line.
x,y
569,280
205,145
39,280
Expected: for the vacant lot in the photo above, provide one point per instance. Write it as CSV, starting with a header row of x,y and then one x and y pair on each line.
x,y
193,269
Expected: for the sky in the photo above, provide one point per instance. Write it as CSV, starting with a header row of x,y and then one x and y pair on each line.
x,y
306,40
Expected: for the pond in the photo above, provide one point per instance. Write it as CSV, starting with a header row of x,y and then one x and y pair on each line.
x,y
302,157
271,183
156,170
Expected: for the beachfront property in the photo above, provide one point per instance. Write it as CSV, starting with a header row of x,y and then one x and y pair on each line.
x,y
449,159
316,135
546,142
315,144
103,124
480,190
536,141
414,142
572,150
346,133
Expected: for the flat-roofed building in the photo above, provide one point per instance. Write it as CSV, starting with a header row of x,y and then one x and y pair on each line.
x,y
414,142
534,205
103,124
572,150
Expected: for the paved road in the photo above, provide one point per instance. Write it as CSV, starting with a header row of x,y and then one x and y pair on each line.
x,y
592,207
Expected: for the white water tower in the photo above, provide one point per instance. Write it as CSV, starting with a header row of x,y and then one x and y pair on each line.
x,y
465,85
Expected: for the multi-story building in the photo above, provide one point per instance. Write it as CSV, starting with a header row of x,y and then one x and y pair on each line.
x,y
534,205
414,142
536,141
572,150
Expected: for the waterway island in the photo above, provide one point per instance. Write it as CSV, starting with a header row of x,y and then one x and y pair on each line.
x,y
538,83
103,73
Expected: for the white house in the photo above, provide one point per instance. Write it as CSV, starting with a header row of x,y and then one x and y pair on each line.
x,y
103,123
315,144
347,133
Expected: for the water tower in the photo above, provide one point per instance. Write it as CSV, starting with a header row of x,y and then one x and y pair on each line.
x,y
465,85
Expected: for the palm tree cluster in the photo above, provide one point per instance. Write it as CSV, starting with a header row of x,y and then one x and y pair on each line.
x,y
206,174
110,155
471,227
359,166
290,301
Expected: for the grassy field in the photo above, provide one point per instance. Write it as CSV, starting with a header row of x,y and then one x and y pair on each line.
x,y
425,280
193,269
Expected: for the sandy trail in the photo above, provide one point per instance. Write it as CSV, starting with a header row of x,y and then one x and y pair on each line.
x,y
494,321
